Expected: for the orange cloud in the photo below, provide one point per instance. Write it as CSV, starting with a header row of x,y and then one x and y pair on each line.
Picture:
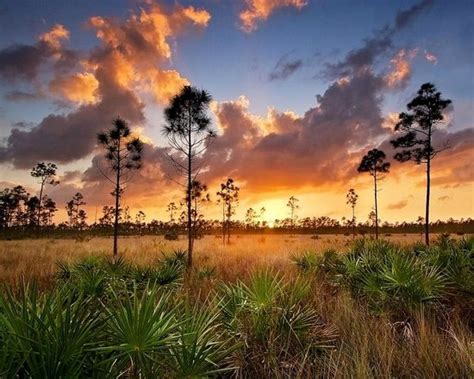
x,y
199,16
148,33
55,36
401,68
166,84
78,88
260,10
138,46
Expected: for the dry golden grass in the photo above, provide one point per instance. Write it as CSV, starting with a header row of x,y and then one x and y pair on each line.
x,y
36,259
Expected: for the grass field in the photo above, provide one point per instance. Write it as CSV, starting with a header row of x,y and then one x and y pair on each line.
x,y
262,307
36,259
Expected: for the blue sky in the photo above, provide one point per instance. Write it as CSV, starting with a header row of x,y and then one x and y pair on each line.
x,y
229,62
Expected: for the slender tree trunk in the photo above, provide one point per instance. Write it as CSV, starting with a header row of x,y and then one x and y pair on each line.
x,y
228,223
353,223
117,206
376,208
190,232
39,204
223,223
428,189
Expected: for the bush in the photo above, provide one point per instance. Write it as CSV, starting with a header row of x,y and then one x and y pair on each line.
x,y
172,235
389,277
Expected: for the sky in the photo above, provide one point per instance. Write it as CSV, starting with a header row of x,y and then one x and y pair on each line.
x,y
301,90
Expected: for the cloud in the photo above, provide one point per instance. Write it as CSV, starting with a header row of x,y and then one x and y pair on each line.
x,y
22,62
401,68
284,68
128,62
430,57
165,84
147,34
399,205
23,124
78,88
284,150
444,198
407,16
450,168
23,96
260,10
55,36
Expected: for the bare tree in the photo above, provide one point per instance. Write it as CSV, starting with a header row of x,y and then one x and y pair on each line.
x,y
188,129
351,200
46,173
124,155
425,114
374,163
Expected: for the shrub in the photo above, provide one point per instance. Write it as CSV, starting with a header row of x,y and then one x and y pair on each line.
x,y
171,235
46,336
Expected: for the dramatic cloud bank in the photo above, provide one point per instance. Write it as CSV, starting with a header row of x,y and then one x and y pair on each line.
x,y
101,83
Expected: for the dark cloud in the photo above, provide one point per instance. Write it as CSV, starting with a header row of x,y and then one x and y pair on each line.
x,y
23,96
407,16
359,59
382,41
65,138
23,124
22,61
284,68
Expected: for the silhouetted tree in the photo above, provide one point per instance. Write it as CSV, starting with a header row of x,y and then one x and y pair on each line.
x,y
123,154
425,113
140,220
10,206
374,163
32,214
48,210
188,129
108,214
199,197
77,216
46,173
263,223
351,200
171,209
250,217
293,205
229,198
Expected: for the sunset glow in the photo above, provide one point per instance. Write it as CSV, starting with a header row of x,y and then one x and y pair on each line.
x,y
298,99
